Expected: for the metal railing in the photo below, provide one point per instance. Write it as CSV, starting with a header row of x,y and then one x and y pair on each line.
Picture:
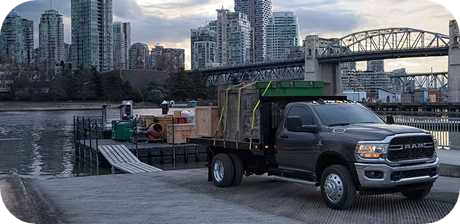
x,y
88,130
442,128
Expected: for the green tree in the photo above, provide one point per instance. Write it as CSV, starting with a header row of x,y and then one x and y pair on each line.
x,y
188,86
154,93
21,88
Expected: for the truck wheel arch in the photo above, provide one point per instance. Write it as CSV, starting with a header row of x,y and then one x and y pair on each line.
x,y
327,159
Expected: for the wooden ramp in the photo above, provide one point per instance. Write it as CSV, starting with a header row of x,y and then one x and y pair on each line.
x,y
120,157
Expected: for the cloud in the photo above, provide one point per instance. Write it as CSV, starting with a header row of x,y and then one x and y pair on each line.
x,y
170,21
154,28
127,9
324,21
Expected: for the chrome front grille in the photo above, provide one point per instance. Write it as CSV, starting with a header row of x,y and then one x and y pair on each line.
x,y
411,148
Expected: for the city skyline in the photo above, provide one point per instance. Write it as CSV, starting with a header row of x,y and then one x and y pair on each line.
x,y
169,22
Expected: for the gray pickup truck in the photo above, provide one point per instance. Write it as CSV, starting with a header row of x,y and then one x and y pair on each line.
x,y
341,147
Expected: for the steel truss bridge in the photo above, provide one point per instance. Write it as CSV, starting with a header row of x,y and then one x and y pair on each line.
x,y
385,44
433,80
361,46
282,70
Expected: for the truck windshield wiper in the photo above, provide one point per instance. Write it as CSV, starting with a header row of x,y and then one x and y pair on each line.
x,y
339,124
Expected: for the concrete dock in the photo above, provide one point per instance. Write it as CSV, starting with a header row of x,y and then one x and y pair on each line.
x,y
185,196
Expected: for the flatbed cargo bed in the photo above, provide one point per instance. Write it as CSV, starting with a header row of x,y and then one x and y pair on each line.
x,y
227,144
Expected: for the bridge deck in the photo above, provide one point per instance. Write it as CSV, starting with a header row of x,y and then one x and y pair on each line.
x,y
120,157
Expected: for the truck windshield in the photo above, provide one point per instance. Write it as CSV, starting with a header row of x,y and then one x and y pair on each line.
x,y
345,114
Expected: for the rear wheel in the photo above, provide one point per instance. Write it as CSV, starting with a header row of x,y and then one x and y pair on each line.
x,y
222,170
337,187
418,194
239,170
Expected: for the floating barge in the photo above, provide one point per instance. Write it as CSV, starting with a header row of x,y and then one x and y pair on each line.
x,y
91,138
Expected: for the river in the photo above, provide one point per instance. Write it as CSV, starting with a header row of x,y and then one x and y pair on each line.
x,y
40,143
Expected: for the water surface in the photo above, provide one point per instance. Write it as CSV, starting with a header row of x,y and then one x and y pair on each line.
x,y
40,143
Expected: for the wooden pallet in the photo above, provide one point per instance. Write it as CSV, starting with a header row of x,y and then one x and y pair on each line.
x,y
120,157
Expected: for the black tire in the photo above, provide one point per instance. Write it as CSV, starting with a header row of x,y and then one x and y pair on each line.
x,y
346,198
239,170
228,170
418,194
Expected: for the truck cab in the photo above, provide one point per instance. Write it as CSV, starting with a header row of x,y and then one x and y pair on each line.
x,y
345,147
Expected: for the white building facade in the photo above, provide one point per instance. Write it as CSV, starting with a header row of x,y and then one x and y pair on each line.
x,y
121,45
233,38
51,41
259,13
204,47
282,35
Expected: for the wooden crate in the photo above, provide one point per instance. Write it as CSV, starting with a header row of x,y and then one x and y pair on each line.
x,y
148,120
178,133
165,121
177,113
207,119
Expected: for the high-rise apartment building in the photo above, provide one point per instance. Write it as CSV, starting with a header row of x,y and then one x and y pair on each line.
x,y
121,45
259,13
233,38
167,59
67,53
92,29
204,47
51,40
16,40
282,35
376,66
367,81
139,56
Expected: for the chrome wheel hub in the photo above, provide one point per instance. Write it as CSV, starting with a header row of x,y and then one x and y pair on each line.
x,y
218,171
333,187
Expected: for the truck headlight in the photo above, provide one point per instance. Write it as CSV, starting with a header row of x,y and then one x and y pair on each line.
x,y
371,150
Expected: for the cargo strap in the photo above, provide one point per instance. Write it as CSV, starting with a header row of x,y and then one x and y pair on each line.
x,y
254,111
238,129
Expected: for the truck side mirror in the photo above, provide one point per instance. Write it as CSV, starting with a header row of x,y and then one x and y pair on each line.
x,y
294,124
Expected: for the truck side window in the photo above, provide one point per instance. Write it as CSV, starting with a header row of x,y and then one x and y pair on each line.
x,y
304,113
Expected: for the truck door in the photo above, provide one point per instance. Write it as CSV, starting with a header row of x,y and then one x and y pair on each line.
x,y
296,148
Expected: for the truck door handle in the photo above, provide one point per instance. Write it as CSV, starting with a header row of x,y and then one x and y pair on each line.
x,y
284,136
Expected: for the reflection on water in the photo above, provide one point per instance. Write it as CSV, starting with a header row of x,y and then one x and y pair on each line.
x,y
40,143
37,143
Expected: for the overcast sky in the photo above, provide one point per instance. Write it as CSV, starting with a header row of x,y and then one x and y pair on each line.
x,y
168,22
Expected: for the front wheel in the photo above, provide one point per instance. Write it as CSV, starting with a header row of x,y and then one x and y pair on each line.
x,y
337,187
222,170
418,194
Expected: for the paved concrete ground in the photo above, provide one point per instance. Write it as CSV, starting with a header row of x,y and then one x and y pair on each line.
x,y
186,197
451,157
450,162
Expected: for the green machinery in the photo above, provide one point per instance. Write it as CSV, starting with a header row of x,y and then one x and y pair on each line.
x,y
123,129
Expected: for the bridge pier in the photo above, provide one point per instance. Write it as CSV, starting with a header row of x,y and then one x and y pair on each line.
x,y
454,63
314,71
